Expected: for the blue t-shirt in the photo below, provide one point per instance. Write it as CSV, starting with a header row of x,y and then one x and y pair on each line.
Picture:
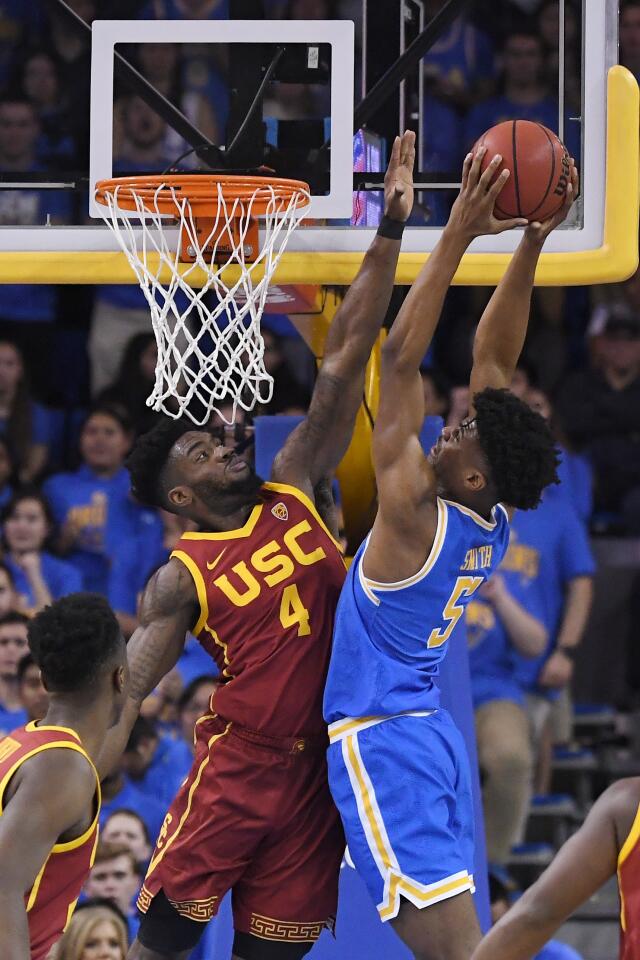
x,y
170,765
107,519
195,662
61,578
490,656
41,424
148,808
554,950
173,10
11,720
548,548
497,109
576,483
463,55
443,153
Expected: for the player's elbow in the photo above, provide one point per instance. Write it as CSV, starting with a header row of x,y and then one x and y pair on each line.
x,y
395,360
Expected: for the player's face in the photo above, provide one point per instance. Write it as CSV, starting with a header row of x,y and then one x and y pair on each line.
x,y
126,830
33,695
13,646
27,528
103,943
208,470
454,458
103,443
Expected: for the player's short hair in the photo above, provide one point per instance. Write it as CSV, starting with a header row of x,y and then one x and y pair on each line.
x,y
73,640
148,459
519,447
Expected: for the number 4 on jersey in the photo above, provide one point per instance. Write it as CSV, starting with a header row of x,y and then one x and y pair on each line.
x,y
293,611
465,586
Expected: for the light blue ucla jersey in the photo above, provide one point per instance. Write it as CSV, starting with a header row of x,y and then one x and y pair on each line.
x,y
389,638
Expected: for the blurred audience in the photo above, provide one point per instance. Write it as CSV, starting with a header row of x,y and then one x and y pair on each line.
x,y
155,764
13,647
25,424
114,876
194,702
33,696
630,36
38,576
134,382
460,66
94,933
126,828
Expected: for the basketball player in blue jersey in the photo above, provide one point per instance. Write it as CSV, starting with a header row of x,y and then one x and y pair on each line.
x,y
397,764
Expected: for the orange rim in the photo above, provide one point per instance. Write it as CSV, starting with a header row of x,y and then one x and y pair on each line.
x,y
157,192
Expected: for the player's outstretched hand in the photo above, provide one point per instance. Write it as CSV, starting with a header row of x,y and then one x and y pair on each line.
x,y
540,231
472,215
398,181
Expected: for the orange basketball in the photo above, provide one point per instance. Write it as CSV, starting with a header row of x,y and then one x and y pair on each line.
x,y
539,165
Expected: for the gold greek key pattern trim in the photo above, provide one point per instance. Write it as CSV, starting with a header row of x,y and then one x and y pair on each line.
x,y
199,910
269,929
144,900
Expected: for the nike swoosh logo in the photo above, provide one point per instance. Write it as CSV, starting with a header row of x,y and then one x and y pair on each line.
x,y
214,564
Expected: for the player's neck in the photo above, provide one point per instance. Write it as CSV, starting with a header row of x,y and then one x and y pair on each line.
x,y
223,522
89,719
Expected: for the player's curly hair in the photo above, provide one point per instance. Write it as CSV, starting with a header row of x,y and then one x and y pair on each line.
x,y
519,448
148,458
73,639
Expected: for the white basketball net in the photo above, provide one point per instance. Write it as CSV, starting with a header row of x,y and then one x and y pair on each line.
x,y
209,354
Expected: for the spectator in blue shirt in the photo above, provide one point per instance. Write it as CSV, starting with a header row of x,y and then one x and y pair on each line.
x,y
98,520
459,67
524,95
157,765
6,472
38,80
13,647
115,876
128,829
38,576
9,599
134,382
119,793
25,423
194,702
442,153
497,626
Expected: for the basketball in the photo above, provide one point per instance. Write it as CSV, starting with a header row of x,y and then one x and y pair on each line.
x,y
539,165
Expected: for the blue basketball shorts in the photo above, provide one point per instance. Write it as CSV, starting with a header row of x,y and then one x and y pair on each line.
x,y
402,786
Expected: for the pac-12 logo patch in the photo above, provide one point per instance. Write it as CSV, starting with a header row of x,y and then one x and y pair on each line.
x,y
280,511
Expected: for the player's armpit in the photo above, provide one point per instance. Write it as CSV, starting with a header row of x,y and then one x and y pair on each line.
x,y
583,864
48,796
169,609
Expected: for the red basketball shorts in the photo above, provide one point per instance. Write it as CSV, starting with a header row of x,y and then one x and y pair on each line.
x,y
254,816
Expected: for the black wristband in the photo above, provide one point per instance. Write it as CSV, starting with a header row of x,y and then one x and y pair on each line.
x,y
570,653
391,229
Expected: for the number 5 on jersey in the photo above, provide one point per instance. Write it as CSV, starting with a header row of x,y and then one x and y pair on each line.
x,y
293,611
465,587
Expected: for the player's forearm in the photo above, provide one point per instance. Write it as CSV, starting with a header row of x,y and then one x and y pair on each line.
x,y
152,652
14,940
518,936
527,634
503,327
576,612
415,325
357,323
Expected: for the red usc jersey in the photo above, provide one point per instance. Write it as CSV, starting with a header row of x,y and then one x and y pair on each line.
x,y
268,594
52,899
629,886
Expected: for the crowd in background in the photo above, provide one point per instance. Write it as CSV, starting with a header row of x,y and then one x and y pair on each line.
x,y
77,365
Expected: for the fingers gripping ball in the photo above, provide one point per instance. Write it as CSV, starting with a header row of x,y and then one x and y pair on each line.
x,y
539,166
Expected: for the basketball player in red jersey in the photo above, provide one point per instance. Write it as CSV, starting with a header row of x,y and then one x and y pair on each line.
x,y
607,843
259,586
50,772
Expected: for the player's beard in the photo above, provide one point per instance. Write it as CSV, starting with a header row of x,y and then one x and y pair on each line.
x,y
221,497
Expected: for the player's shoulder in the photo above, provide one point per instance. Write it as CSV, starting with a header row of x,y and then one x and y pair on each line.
x,y
620,805
56,766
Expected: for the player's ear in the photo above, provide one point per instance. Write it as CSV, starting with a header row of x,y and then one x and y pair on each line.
x,y
475,480
180,497
120,679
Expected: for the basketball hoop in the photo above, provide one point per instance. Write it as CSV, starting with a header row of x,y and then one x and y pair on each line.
x,y
209,354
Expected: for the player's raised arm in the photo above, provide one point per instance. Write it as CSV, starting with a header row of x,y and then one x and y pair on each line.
x,y
318,445
32,822
406,482
583,864
169,609
503,326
